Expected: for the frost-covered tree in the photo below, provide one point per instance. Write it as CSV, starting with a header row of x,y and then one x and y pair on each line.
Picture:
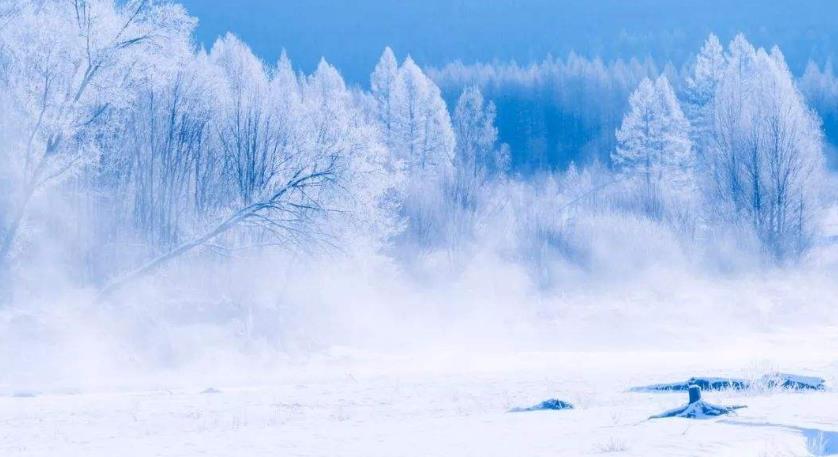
x,y
820,84
478,157
479,163
423,139
69,70
382,85
363,206
416,126
247,126
700,90
768,157
820,87
653,145
166,167
477,136
421,132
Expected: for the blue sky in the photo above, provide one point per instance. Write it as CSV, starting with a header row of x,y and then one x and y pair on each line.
x,y
352,33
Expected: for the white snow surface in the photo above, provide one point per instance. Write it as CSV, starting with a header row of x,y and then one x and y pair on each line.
x,y
349,403
438,390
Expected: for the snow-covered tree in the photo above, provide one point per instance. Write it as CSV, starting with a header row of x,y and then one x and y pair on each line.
x,y
700,90
477,136
422,135
768,159
363,206
417,130
819,85
382,85
166,167
247,127
477,156
654,148
413,115
69,71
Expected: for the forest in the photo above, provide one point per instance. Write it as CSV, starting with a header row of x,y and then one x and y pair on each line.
x,y
187,186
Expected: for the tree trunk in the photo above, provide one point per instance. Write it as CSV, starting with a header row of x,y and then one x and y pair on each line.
x,y
161,260
695,393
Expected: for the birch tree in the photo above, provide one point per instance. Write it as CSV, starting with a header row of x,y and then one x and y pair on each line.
x,y
768,160
69,67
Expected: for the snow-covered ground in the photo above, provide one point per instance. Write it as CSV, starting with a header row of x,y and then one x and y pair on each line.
x,y
352,404
445,386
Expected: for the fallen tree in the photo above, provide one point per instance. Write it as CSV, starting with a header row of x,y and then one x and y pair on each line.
x,y
288,203
768,381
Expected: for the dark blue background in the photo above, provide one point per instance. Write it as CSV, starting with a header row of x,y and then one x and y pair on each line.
x,y
352,33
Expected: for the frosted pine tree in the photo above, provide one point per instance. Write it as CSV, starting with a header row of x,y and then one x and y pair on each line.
x,y
654,149
413,116
478,157
417,129
382,84
700,90
421,124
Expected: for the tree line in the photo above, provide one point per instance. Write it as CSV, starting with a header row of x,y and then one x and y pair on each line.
x,y
126,147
